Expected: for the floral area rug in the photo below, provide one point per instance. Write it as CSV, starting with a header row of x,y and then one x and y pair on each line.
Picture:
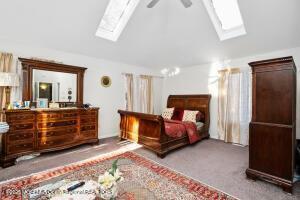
x,y
143,179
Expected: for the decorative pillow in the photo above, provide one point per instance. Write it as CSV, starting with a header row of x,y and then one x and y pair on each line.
x,y
200,117
178,114
190,115
168,113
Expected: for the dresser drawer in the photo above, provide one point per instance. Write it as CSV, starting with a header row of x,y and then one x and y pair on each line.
x,y
88,134
69,115
20,148
23,126
56,116
57,124
20,117
54,133
87,120
48,116
55,142
15,137
88,113
91,127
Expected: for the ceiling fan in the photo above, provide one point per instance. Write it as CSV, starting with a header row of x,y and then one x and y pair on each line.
x,y
186,3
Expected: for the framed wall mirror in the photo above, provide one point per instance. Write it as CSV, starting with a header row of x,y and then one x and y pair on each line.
x,y
52,81
54,86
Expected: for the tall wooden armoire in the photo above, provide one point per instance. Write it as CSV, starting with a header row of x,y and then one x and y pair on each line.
x,y
273,126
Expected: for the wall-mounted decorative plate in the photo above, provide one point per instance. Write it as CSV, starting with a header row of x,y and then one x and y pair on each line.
x,y
105,81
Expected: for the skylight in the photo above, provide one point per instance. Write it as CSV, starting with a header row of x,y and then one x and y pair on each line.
x,y
228,13
116,16
226,17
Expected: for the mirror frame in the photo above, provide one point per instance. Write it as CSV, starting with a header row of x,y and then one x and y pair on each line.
x,y
27,72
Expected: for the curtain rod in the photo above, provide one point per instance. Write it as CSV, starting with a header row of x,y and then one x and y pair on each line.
x,y
123,73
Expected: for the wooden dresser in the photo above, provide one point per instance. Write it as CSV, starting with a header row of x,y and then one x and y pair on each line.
x,y
43,130
273,125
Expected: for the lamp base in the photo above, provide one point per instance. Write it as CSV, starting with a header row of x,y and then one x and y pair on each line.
x,y
7,97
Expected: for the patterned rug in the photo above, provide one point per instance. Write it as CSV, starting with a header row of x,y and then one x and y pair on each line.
x,y
143,179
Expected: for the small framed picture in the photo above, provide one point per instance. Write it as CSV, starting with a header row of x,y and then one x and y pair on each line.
x,y
105,81
42,103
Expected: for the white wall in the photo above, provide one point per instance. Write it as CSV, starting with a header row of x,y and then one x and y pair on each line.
x,y
203,79
108,99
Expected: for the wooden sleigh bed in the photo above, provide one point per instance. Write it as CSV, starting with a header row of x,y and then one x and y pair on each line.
x,y
149,130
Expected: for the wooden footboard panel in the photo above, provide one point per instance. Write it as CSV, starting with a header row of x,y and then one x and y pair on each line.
x,y
144,129
149,131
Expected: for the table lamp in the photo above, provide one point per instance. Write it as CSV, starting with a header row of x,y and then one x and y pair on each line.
x,y
8,80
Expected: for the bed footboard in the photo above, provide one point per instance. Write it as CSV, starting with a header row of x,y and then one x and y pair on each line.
x,y
145,129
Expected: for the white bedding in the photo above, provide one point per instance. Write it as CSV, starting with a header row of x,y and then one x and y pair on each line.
x,y
199,125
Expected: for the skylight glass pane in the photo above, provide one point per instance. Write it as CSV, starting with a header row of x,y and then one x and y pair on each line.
x,y
113,14
228,13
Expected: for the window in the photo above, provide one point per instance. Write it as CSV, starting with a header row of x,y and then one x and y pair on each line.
x,y
116,16
226,17
234,105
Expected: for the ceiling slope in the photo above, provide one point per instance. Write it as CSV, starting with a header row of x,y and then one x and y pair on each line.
x,y
167,35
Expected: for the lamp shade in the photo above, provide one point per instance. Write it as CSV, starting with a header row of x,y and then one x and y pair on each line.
x,y
9,79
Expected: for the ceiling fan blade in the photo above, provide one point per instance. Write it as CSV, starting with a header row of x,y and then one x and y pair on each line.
x,y
186,3
152,3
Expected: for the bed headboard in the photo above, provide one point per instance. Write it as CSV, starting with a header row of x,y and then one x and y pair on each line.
x,y
191,102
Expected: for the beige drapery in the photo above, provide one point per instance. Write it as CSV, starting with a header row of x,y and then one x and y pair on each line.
x,y
5,66
229,105
129,91
146,94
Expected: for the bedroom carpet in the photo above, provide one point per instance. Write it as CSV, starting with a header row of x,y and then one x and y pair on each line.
x,y
212,162
143,179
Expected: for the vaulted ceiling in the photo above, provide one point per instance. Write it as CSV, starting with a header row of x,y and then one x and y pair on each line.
x,y
167,35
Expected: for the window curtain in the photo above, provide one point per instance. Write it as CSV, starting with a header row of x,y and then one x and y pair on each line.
x,y
5,66
245,105
146,94
129,92
234,106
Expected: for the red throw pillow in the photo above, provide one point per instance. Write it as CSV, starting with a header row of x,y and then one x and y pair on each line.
x,y
178,114
200,117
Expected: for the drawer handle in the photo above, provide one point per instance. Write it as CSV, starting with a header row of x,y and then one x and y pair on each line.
x,y
22,126
23,145
51,133
48,143
21,136
21,117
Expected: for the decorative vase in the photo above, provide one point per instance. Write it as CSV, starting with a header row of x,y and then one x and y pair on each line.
x,y
108,193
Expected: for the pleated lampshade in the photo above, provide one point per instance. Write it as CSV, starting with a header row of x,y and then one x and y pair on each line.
x,y
9,79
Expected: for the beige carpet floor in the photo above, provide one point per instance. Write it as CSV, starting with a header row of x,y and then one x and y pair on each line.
x,y
212,162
